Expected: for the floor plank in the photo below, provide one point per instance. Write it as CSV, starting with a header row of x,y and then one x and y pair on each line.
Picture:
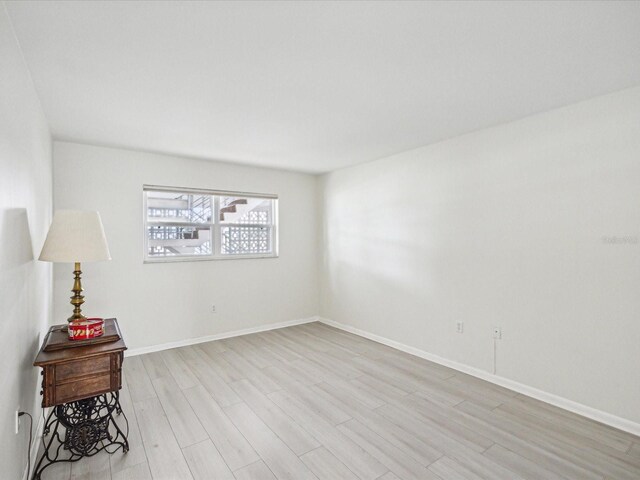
x,y
326,466
521,441
378,389
57,471
92,468
136,472
205,462
394,458
274,453
179,370
155,366
185,424
392,433
140,386
231,444
255,471
516,463
200,365
462,453
390,476
294,436
325,409
165,457
449,469
439,420
353,456
251,372
569,424
136,454
477,418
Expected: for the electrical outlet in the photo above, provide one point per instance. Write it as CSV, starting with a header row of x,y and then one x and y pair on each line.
x,y
497,333
17,421
460,327
213,309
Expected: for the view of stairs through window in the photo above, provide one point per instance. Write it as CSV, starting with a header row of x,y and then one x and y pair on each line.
x,y
183,224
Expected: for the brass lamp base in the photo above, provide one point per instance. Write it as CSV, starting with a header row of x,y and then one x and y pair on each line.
x,y
77,299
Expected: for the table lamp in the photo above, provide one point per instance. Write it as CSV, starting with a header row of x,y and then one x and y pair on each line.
x,y
75,236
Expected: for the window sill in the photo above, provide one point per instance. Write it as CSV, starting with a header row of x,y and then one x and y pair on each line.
x,y
208,259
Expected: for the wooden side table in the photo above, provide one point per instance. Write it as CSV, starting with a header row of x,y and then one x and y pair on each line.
x,y
82,385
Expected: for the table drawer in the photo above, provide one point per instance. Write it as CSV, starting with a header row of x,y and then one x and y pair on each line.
x,y
74,380
87,387
82,367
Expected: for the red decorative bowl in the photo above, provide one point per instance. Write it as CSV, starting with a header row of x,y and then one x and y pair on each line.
x,y
85,329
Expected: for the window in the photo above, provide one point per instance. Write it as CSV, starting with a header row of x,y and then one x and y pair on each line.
x,y
192,224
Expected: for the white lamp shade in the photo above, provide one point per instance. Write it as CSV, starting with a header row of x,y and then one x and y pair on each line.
x,y
75,236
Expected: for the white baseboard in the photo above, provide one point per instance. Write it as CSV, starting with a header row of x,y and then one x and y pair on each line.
x,y
35,445
564,403
218,336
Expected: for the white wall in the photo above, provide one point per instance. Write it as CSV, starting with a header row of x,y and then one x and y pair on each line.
x,y
25,213
506,226
167,302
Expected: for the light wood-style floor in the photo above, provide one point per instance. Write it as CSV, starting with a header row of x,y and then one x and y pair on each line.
x,y
311,402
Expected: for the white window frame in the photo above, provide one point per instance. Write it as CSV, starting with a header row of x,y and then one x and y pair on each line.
x,y
215,226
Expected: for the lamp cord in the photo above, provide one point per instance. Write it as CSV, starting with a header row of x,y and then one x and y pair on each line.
x,y
30,441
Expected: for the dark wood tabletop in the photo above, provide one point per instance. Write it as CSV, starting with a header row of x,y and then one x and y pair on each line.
x,y
66,354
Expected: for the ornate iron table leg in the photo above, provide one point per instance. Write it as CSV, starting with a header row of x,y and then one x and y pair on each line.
x,y
82,429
